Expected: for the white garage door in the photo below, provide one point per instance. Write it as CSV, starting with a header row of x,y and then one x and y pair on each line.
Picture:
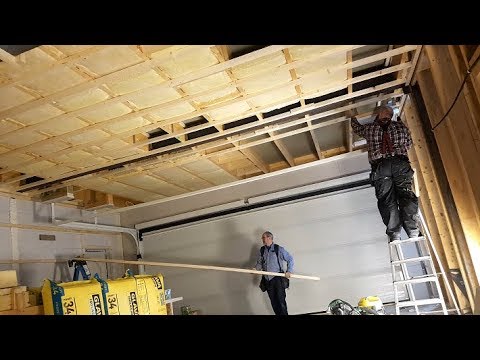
x,y
339,237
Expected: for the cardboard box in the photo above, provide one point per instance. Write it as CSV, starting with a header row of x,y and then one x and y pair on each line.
x,y
31,310
6,302
14,298
8,278
35,296
73,298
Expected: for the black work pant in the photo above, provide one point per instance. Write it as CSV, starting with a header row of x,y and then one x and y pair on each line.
x,y
277,295
397,203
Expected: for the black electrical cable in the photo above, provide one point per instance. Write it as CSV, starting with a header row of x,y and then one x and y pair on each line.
x,y
469,71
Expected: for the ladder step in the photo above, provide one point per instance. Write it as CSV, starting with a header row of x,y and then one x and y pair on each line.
x,y
400,242
416,280
422,258
419,302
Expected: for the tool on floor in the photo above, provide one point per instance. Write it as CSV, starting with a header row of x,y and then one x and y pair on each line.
x,y
341,307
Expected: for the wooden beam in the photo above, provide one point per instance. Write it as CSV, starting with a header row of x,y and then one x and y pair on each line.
x,y
253,157
454,165
420,188
246,126
298,89
459,120
137,70
185,117
348,126
361,78
94,200
183,160
124,74
468,91
433,203
36,70
165,264
314,139
129,74
223,55
202,267
12,177
418,51
474,57
256,133
179,118
9,59
50,228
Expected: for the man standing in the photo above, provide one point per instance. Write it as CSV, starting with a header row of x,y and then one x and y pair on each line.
x,y
388,142
270,259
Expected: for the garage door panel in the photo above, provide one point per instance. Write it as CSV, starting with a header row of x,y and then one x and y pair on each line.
x,y
339,237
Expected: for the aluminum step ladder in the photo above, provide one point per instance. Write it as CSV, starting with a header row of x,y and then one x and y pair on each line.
x,y
408,281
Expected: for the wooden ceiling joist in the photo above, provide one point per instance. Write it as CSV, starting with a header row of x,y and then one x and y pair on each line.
x,y
227,132
177,119
92,128
185,157
186,131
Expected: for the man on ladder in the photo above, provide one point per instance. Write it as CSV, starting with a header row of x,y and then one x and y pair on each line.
x,y
392,176
388,142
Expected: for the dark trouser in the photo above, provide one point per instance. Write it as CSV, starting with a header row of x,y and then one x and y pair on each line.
x,y
397,202
277,295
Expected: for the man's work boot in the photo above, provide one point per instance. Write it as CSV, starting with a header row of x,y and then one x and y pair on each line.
x,y
414,234
394,237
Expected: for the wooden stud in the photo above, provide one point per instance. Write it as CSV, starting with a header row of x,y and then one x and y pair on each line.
x,y
433,203
454,166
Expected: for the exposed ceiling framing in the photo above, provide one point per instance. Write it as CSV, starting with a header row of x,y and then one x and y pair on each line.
x,y
144,122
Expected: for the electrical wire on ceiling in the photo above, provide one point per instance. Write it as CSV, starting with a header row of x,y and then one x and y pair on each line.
x,y
469,71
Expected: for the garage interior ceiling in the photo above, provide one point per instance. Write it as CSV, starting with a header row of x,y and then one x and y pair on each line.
x,y
147,122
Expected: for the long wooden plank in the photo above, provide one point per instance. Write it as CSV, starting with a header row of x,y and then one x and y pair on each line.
x,y
50,228
227,132
166,264
147,111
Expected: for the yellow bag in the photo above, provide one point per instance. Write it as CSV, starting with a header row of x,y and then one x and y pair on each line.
x,y
73,298
151,294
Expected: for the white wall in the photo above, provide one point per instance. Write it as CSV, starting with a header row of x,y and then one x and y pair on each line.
x,y
341,238
338,237
22,243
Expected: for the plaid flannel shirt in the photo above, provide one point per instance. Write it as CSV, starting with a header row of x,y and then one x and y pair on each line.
x,y
373,133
